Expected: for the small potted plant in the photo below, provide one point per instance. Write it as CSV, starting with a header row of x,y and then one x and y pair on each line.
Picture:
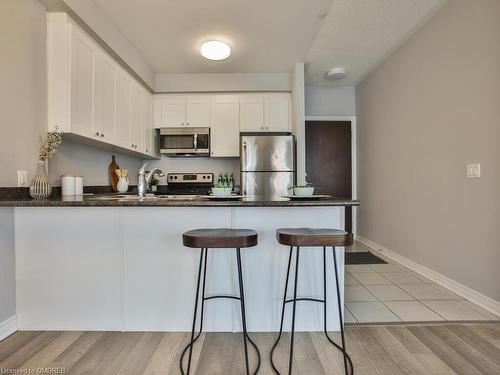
x,y
221,190
153,184
304,190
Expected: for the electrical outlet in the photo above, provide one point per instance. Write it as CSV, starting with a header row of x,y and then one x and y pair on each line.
x,y
22,178
474,170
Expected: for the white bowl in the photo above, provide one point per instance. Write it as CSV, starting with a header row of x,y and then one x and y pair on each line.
x,y
221,192
303,191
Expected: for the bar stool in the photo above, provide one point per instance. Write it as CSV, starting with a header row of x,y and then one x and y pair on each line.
x,y
308,237
223,239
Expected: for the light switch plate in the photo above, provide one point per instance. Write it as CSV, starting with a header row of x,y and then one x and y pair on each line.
x,y
22,178
474,170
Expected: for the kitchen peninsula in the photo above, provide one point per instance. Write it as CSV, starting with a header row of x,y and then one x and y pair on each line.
x,y
119,264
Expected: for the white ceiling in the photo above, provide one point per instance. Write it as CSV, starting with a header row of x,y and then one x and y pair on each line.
x,y
359,34
268,36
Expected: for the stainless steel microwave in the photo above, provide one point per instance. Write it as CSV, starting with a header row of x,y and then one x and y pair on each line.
x,y
185,141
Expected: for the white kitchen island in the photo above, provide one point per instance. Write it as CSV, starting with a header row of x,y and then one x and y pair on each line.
x,y
124,268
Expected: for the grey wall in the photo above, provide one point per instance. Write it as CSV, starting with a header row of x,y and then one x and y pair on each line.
x,y
423,114
23,110
330,101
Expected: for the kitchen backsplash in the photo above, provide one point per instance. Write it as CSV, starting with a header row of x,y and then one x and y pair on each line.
x,y
213,165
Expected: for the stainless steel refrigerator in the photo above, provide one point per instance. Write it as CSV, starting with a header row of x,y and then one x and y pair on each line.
x,y
267,164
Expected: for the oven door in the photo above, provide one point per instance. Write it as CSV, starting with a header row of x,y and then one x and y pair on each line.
x,y
185,141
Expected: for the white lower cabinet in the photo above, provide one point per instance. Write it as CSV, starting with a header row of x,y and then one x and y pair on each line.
x,y
224,129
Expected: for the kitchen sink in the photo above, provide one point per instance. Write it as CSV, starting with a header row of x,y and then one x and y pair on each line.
x,y
149,197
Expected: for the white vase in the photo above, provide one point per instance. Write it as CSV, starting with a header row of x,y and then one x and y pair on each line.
x,y
40,187
122,185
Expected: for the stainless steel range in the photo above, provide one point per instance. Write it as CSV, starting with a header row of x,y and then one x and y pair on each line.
x,y
189,183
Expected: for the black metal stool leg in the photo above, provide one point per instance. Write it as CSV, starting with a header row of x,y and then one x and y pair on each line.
x,y
243,319
243,316
293,309
282,310
193,339
341,314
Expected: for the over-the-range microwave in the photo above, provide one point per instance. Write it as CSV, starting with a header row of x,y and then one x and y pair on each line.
x,y
185,141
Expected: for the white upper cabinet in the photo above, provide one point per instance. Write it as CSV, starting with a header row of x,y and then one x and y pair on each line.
x,y
147,113
136,119
252,113
224,129
198,111
173,112
90,95
123,103
265,113
277,113
105,99
82,83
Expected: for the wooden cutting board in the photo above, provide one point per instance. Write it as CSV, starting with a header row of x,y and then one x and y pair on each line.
x,y
113,178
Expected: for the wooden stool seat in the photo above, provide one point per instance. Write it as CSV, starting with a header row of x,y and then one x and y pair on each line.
x,y
220,238
313,237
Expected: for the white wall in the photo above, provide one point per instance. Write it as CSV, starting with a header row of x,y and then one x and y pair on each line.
x,y
423,114
7,264
213,82
89,162
330,101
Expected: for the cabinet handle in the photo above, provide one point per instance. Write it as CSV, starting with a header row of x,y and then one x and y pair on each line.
x,y
267,127
261,128
187,123
102,135
97,134
182,124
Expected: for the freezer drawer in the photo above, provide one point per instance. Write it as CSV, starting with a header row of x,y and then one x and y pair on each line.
x,y
266,183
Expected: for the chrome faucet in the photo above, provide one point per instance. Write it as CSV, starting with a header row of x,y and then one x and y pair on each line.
x,y
145,178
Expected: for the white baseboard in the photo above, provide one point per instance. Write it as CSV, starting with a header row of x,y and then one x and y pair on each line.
x,y
472,295
8,327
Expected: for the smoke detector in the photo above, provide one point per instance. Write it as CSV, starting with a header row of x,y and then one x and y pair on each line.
x,y
336,73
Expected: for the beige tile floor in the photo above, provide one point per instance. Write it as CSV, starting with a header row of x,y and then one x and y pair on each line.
x,y
393,293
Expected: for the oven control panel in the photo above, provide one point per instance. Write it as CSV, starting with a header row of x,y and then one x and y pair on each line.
x,y
190,178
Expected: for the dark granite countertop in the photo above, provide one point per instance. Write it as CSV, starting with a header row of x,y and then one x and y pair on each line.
x,y
107,200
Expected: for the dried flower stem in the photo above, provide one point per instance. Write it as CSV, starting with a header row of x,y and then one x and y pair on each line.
x,y
49,144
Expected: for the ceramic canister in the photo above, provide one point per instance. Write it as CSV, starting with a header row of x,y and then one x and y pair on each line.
x,y
68,184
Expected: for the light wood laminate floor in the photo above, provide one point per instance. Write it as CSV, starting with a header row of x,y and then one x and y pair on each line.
x,y
397,349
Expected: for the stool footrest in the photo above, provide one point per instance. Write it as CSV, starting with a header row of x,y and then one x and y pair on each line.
x,y
221,296
305,299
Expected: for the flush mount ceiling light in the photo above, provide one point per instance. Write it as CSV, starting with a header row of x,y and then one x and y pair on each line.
x,y
215,50
336,73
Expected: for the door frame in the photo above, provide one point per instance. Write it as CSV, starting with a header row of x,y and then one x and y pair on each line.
x,y
354,153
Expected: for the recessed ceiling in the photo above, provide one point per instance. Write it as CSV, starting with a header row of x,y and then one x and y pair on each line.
x,y
269,36
266,36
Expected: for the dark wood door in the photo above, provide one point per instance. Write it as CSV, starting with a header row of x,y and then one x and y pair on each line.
x,y
329,160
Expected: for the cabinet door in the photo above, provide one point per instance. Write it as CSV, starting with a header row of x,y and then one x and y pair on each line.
x,y
157,115
277,113
136,119
147,113
123,91
82,84
198,111
173,112
105,94
252,114
225,133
